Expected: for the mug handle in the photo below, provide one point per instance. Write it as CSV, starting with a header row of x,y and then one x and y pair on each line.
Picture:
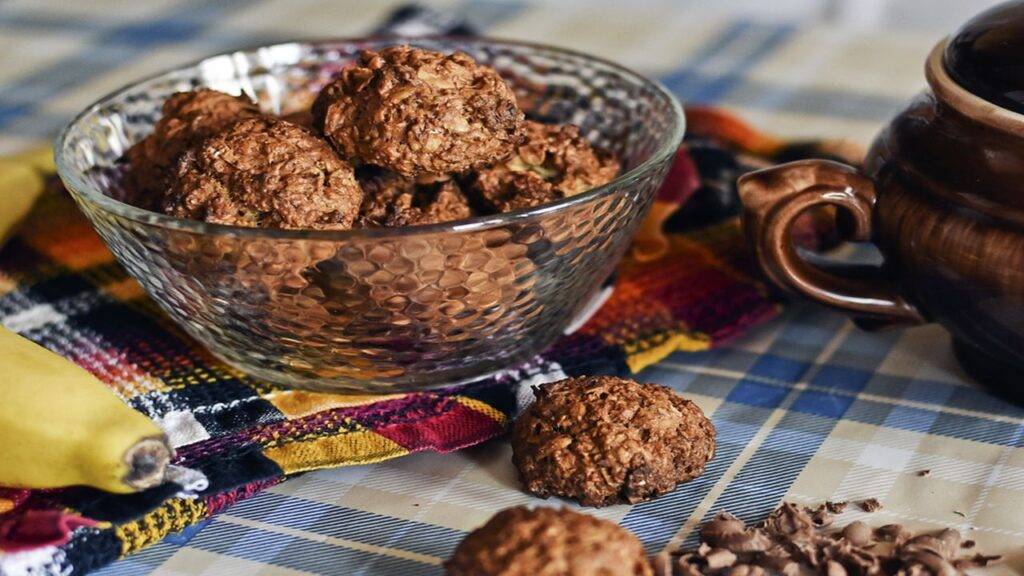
x,y
773,199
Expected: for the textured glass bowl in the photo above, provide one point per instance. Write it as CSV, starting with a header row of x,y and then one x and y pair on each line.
x,y
388,309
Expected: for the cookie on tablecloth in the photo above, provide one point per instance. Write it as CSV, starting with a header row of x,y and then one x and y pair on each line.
x,y
548,542
602,440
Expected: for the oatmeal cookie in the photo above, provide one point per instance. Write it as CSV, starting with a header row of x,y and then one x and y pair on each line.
x,y
187,118
390,199
552,163
268,173
416,112
602,440
548,542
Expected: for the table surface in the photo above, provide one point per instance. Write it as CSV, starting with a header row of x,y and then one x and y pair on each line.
x,y
807,408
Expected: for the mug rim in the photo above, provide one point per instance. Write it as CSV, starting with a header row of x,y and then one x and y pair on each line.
x,y
86,192
969,104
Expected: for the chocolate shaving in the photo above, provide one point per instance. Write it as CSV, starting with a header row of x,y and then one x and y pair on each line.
x,y
923,473
798,539
870,505
976,561
836,507
732,534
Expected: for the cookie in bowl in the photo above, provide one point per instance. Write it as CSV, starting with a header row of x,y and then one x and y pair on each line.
x,y
436,138
416,111
186,119
390,199
264,172
553,162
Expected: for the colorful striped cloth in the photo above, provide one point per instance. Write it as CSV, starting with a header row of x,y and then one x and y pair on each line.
x,y
686,286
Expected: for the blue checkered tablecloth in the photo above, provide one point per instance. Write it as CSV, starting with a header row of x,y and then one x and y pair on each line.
x,y
807,408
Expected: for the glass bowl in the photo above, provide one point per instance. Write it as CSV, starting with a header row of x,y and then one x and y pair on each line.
x,y
383,309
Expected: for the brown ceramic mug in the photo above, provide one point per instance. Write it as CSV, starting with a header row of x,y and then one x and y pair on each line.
x,y
942,197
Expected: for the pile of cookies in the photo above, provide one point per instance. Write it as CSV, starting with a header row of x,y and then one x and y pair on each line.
x,y
404,136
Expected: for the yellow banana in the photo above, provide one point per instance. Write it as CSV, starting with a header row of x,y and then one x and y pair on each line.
x,y
60,426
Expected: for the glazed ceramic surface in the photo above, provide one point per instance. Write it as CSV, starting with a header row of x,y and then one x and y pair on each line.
x,y
941,195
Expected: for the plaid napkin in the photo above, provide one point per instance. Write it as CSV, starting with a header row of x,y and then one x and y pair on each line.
x,y
687,285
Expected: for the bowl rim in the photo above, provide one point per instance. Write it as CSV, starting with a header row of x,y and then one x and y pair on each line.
x,y
85,192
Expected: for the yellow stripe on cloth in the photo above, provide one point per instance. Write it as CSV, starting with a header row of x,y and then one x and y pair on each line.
x,y
484,408
172,516
650,242
123,290
651,352
22,181
347,448
296,403
7,284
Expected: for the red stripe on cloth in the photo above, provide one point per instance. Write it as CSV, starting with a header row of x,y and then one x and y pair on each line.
x,y
682,179
457,428
12,498
37,528
217,502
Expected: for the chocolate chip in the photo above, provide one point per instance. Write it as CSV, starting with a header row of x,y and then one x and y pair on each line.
x,y
870,505
893,533
791,541
719,558
858,533
836,507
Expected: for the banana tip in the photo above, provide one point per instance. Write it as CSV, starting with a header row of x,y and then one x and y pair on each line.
x,y
147,463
